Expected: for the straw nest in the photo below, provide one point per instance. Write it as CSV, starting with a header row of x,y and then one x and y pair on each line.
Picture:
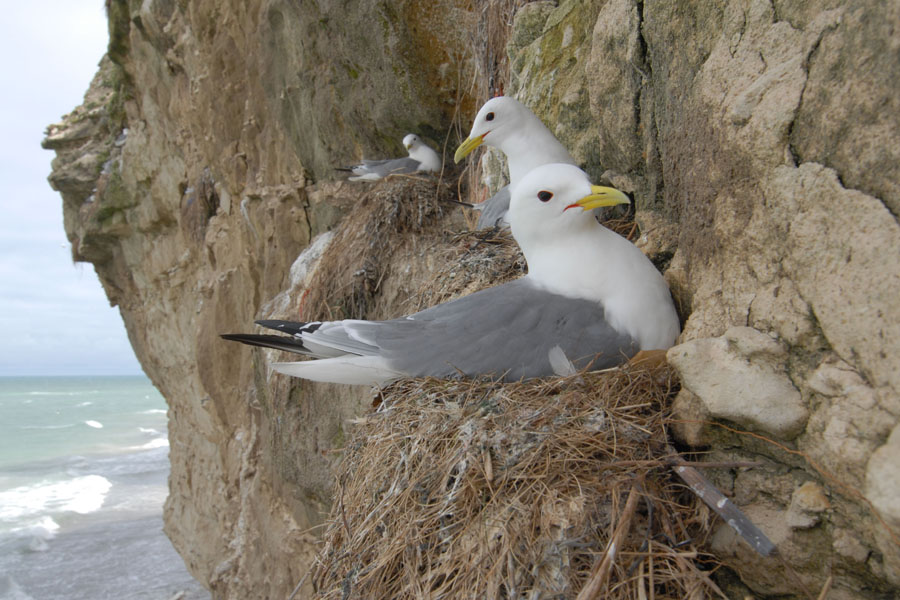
x,y
556,488
350,272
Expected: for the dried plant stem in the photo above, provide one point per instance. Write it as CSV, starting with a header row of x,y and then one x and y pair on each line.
x,y
602,569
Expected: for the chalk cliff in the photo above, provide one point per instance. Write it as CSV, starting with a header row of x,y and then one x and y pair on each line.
x,y
759,138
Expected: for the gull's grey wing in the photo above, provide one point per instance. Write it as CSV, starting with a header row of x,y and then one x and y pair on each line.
x,y
494,209
392,166
505,331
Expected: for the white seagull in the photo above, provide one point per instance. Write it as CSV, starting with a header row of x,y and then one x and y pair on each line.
x,y
590,298
421,158
510,126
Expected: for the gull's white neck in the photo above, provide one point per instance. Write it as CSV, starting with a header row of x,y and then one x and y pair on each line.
x,y
429,159
593,263
530,145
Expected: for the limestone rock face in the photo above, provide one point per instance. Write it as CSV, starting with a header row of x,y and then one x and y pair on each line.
x,y
758,138
739,377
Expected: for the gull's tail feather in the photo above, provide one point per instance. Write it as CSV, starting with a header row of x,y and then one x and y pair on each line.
x,y
278,342
349,369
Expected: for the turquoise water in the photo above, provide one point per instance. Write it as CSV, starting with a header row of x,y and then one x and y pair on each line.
x,y
47,417
83,472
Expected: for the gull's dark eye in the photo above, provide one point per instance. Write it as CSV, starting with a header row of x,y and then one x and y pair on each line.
x,y
489,117
544,196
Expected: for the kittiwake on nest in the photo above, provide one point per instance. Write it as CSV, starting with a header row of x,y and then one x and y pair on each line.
x,y
421,158
510,126
591,299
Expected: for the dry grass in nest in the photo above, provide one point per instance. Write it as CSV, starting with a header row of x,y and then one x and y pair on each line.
x,y
461,489
471,261
350,271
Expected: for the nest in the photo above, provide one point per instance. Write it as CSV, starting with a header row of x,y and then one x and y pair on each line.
x,y
350,272
557,488
471,261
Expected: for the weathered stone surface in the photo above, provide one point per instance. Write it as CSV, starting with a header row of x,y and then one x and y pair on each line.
x,y
883,491
759,141
849,423
737,377
848,119
807,502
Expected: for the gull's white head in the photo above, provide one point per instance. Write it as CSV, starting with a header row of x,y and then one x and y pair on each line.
x,y
411,141
510,126
552,201
497,120
494,123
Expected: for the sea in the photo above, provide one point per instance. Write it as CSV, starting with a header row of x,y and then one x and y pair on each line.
x,y
83,476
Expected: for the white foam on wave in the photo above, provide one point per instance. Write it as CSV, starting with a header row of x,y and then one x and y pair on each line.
x,y
94,424
154,411
148,430
83,404
82,495
45,528
36,535
153,444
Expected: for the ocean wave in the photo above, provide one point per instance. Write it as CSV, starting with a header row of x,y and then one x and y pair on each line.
x,y
45,528
148,430
94,424
66,426
10,590
81,495
34,536
153,411
153,444
78,393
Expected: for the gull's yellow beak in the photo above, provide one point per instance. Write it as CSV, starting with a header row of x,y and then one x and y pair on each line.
x,y
467,146
601,196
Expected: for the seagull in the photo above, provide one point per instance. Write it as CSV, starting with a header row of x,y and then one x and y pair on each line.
x,y
590,299
510,126
421,158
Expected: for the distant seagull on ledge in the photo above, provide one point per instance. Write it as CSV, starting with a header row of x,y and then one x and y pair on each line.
x,y
421,158
510,126
590,299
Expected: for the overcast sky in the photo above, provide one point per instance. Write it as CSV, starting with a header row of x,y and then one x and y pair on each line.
x,y
54,316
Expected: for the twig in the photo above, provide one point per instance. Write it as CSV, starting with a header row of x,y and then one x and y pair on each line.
x,y
299,585
716,465
726,509
602,568
826,588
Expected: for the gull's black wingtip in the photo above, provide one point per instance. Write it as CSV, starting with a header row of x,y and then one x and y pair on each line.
x,y
289,327
277,342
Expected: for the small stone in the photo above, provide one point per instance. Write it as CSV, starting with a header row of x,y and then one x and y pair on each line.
x,y
688,413
807,502
738,377
849,546
883,479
